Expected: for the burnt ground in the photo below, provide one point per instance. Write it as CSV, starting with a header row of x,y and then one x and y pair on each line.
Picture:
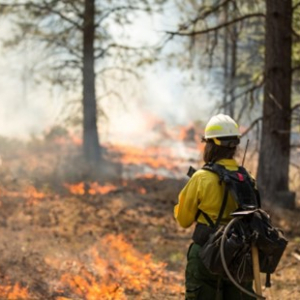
x,y
123,244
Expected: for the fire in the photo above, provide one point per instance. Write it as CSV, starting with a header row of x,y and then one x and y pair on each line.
x,y
29,192
154,157
76,189
92,188
14,292
95,188
115,272
150,176
76,140
187,134
168,156
142,191
87,286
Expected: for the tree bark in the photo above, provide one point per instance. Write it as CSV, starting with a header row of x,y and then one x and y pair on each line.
x,y
225,63
273,170
233,69
91,147
229,64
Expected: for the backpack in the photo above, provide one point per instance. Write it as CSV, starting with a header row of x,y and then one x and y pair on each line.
x,y
252,225
239,183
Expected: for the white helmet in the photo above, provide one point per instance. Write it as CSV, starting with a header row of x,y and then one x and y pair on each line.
x,y
221,126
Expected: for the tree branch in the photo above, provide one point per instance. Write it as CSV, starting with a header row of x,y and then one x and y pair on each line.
x,y
73,5
205,13
295,107
46,7
103,51
296,34
115,9
219,26
121,69
252,125
251,89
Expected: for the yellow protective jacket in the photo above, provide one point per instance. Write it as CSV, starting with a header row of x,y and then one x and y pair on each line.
x,y
204,192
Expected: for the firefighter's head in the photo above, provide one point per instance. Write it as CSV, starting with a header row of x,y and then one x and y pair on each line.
x,y
222,137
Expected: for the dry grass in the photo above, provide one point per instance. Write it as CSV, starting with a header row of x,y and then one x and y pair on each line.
x,y
123,244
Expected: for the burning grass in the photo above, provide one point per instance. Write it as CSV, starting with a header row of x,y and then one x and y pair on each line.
x,y
115,272
66,236
11,292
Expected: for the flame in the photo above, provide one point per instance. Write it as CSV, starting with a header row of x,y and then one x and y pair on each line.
x,y
62,141
95,188
87,286
14,292
156,157
76,189
92,188
187,134
114,272
150,176
31,192
28,193
142,191
76,140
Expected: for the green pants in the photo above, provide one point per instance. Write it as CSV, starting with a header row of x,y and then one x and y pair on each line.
x,y
202,285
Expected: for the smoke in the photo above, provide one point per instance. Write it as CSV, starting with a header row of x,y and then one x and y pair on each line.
x,y
28,108
24,110
167,97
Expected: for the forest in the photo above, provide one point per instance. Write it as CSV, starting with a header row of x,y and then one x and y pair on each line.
x,y
86,202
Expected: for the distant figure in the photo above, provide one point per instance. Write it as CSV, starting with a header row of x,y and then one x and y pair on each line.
x,y
200,201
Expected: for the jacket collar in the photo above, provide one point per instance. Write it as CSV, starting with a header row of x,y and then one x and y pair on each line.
x,y
231,163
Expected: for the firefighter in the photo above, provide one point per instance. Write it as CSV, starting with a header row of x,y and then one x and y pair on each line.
x,y
200,200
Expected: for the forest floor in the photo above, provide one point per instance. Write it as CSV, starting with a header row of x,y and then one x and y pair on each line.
x,y
61,238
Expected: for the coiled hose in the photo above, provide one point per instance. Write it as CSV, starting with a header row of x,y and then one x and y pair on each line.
x,y
226,230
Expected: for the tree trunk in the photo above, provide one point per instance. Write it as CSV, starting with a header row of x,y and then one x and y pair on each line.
x,y
233,70
229,64
225,63
91,147
273,170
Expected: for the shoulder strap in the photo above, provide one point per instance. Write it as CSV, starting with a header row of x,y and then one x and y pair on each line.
x,y
218,169
224,202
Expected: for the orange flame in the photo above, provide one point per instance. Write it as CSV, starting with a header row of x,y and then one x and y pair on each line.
x,y
142,191
14,292
76,189
150,176
92,188
29,192
119,270
156,157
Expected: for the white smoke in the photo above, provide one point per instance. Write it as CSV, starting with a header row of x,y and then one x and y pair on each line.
x,y
28,108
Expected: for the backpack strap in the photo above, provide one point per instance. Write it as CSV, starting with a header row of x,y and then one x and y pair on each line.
x,y
208,219
222,177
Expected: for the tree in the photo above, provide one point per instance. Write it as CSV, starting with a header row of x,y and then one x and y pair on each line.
x,y
80,47
274,155
90,132
274,159
225,37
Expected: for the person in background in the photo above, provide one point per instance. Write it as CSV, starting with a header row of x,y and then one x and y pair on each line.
x,y
200,202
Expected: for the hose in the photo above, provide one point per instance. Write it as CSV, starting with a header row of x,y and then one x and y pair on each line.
x,y
226,230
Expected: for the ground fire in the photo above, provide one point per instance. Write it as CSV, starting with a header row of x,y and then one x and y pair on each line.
x,y
68,237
